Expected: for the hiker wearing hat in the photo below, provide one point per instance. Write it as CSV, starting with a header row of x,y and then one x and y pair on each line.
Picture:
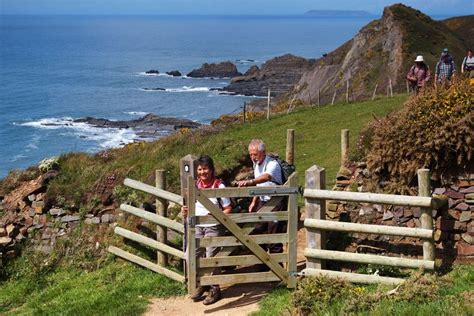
x,y
419,74
444,68
468,65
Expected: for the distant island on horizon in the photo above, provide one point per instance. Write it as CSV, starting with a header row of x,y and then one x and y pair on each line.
x,y
340,13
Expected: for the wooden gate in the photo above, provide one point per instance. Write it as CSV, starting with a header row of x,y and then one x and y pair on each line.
x,y
282,265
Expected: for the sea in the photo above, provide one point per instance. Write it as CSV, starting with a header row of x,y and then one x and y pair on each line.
x,y
54,69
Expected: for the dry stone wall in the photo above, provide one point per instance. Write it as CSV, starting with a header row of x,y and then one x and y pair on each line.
x,y
454,225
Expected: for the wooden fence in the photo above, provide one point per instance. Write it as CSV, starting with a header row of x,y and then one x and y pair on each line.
x,y
159,219
316,224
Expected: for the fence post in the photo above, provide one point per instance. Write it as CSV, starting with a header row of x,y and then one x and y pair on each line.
x,y
245,110
161,209
191,237
268,105
344,146
391,88
426,213
315,178
290,146
375,91
334,97
347,91
408,87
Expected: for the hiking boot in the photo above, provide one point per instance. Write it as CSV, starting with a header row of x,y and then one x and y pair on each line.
x,y
199,293
213,296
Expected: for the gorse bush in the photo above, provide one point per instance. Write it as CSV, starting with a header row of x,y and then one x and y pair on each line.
x,y
434,130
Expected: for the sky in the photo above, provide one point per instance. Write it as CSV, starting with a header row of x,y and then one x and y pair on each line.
x,y
223,7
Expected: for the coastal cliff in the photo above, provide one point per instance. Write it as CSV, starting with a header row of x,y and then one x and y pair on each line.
x,y
381,51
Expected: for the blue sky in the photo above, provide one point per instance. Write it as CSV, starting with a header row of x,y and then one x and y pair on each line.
x,y
432,7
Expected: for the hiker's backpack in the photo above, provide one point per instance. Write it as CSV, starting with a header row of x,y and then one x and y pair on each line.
x,y
286,168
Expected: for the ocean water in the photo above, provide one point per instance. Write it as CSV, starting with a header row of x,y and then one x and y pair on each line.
x,y
54,69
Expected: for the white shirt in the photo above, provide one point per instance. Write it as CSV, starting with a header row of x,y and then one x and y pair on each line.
x,y
271,167
202,211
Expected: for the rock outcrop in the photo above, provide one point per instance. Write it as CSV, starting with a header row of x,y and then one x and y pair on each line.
x,y
224,69
149,126
279,74
381,52
174,73
152,72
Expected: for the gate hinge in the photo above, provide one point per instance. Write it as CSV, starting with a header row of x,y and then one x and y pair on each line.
x,y
191,221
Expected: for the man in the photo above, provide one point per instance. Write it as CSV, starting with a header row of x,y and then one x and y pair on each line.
x,y
468,65
267,172
444,68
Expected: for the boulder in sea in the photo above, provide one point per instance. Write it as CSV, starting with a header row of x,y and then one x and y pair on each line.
x,y
152,72
221,70
174,73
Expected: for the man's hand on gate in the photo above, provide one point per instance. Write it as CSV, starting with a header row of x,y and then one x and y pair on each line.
x,y
245,183
184,211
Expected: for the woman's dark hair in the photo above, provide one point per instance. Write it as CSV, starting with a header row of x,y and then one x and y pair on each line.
x,y
207,162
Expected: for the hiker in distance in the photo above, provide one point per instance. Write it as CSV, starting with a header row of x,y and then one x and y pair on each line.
x,y
206,180
444,68
418,75
467,66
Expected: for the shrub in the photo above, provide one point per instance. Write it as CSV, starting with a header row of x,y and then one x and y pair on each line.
x,y
434,130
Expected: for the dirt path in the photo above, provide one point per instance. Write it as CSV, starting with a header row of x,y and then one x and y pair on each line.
x,y
237,300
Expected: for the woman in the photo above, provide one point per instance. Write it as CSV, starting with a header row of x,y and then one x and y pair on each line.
x,y
206,180
468,65
419,74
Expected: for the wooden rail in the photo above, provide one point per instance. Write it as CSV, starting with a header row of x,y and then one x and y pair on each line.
x,y
154,218
316,224
368,228
155,191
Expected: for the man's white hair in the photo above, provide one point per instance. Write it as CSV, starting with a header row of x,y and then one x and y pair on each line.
x,y
257,143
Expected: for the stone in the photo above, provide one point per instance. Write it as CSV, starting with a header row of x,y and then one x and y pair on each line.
x,y
31,197
454,194
462,207
92,220
454,214
344,173
11,254
70,218
452,203
174,73
19,237
455,237
468,238
417,222
3,232
152,72
460,226
343,182
439,191
387,215
38,206
465,249
411,223
416,212
15,199
31,212
465,183
57,212
467,190
437,235
469,201
407,212
106,218
465,216
12,230
5,241
332,207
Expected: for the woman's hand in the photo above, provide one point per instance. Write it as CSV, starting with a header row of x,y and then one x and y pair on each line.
x,y
184,211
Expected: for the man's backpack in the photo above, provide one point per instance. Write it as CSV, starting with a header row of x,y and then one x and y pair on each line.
x,y
286,168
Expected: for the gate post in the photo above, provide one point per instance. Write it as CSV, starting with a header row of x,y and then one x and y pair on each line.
x,y
426,213
292,232
315,178
290,146
191,236
161,209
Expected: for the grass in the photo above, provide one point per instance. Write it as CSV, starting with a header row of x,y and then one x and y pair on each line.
x,y
317,141
118,288
451,294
